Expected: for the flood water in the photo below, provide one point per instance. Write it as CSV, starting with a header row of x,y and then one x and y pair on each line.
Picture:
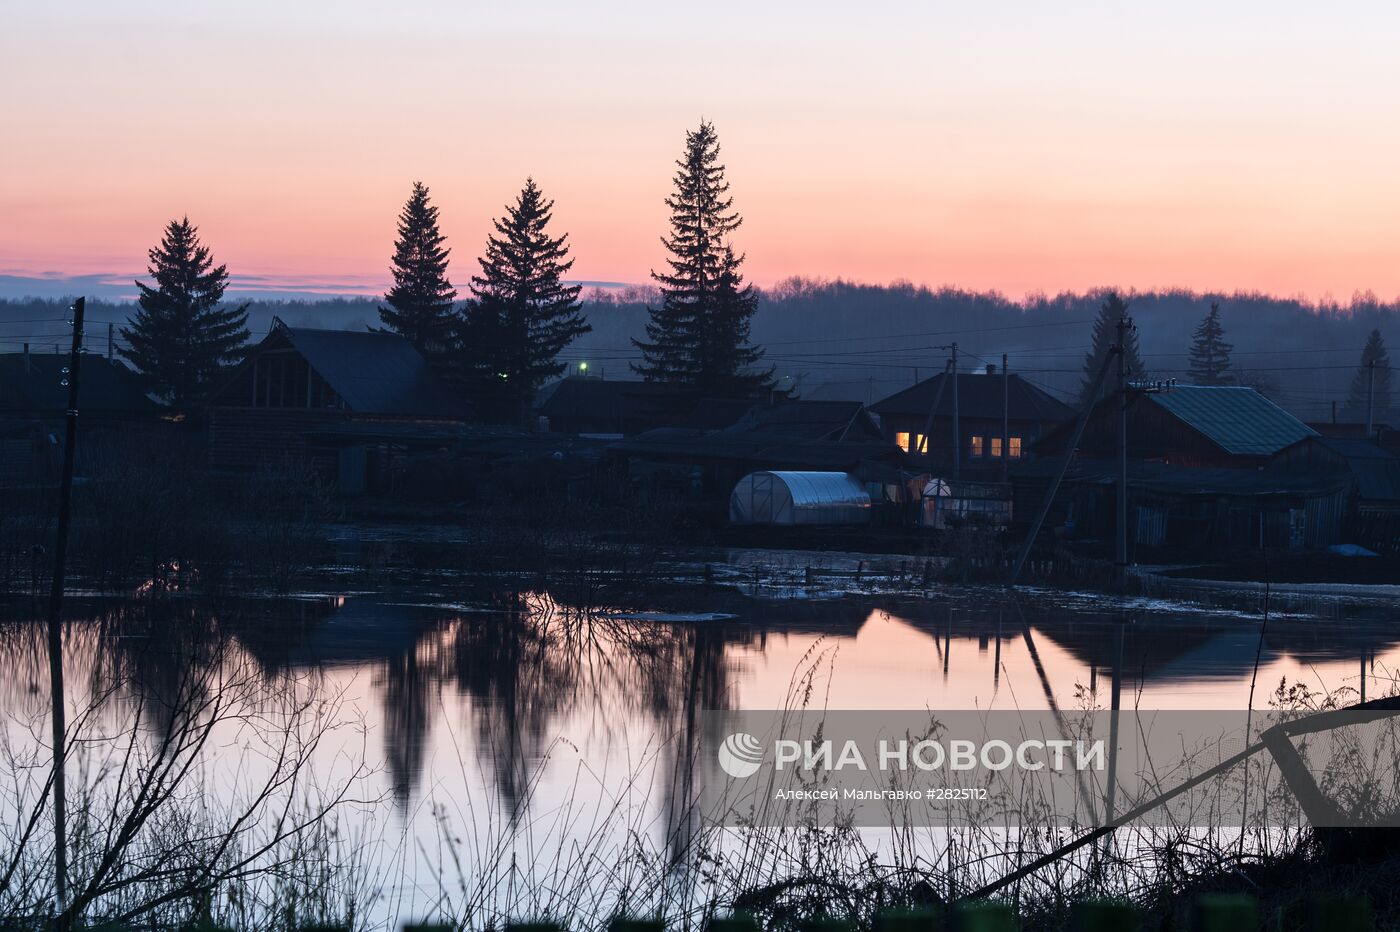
x,y
502,731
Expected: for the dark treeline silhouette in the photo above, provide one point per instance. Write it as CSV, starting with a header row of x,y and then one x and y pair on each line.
x,y
868,341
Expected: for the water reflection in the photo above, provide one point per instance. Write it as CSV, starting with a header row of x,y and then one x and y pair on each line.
x,y
507,694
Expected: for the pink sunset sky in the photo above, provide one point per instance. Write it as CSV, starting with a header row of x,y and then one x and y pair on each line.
x,y
1016,146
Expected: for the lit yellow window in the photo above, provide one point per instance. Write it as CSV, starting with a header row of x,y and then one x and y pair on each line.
x,y
976,445
921,443
996,446
1013,447
902,439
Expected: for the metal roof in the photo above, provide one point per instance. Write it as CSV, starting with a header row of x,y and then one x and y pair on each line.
x,y
375,373
1237,419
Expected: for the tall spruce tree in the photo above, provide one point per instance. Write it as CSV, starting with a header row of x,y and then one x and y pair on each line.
x,y
420,303
1367,383
1210,354
521,315
181,339
698,337
1113,309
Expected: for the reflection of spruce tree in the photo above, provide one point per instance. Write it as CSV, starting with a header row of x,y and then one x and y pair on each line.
x,y
519,684
406,721
706,687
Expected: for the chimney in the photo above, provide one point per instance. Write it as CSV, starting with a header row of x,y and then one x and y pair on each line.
x,y
991,368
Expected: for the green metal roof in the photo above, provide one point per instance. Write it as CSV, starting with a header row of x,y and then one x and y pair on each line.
x,y
1239,420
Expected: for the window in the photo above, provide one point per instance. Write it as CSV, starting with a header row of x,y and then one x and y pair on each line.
x,y
996,447
901,438
1013,448
921,443
976,445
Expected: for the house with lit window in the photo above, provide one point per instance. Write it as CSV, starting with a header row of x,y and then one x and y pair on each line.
x,y
920,418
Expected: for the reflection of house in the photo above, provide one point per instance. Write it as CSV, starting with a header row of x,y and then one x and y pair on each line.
x,y
299,381
34,398
980,400
1191,425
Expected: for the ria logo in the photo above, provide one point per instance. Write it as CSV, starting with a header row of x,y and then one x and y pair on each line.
x,y
740,755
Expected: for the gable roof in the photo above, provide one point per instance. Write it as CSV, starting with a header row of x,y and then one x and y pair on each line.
x,y
809,420
34,383
979,396
1237,419
372,372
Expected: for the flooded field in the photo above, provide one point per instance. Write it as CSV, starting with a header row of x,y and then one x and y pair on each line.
x,y
497,747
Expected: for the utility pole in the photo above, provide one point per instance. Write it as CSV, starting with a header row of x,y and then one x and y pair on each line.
x,y
1005,420
1050,493
110,341
924,444
1370,397
957,429
1120,544
65,500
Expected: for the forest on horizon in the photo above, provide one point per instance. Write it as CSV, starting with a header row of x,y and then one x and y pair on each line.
x,y
839,339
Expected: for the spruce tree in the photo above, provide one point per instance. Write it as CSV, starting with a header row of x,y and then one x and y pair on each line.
x,y
1367,384
1114,308
521,315
181,339
698,337
420,303
1210,354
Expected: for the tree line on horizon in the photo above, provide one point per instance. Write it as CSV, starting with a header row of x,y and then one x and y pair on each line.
x,y
503,342
693,327
1210,363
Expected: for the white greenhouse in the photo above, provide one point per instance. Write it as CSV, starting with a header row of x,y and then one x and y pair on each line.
x,y
786,498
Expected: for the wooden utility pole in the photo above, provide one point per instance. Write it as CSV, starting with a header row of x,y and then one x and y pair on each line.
x,y
1120,542
957,428
1005,419
65,499
1050,493
924,443
1370,397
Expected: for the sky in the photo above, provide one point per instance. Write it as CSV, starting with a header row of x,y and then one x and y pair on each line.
x,y
1017,146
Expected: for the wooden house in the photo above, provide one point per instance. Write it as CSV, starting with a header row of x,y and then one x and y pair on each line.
x,y
981,399
1190,425
300,382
